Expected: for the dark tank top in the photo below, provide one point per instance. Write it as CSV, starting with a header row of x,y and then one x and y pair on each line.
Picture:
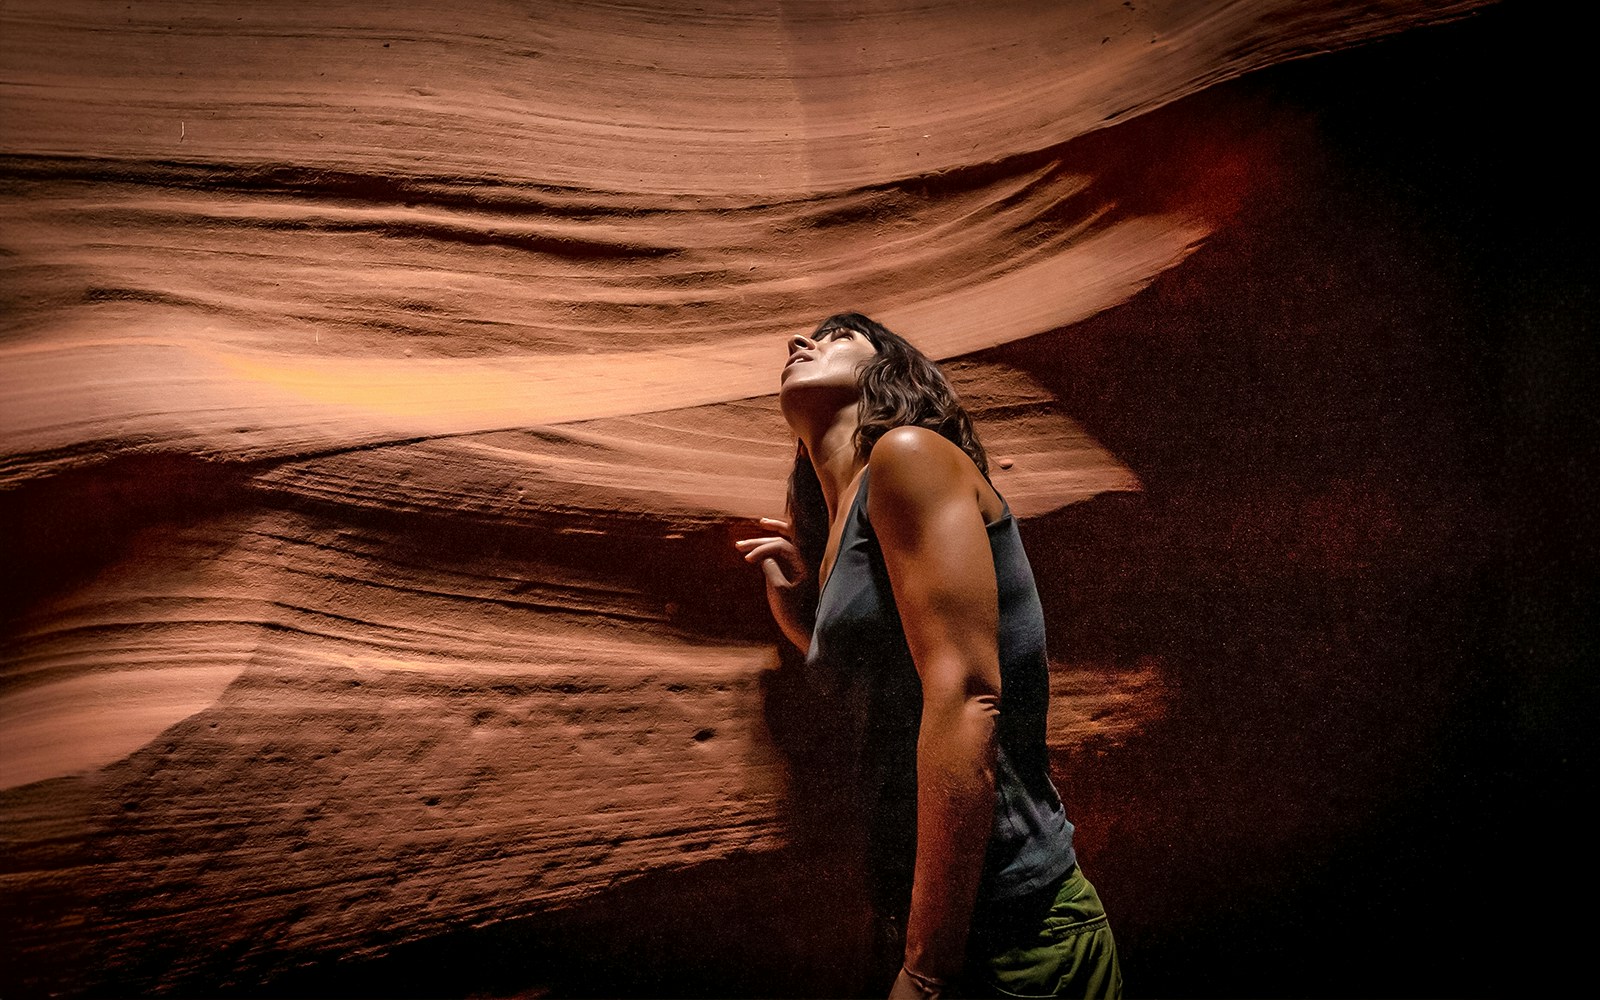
x,y
859,656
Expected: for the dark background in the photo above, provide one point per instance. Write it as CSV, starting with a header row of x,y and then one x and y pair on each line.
x,y
1361,563
1363,417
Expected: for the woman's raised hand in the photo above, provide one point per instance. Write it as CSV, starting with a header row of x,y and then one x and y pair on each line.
x,y
777,555
793,604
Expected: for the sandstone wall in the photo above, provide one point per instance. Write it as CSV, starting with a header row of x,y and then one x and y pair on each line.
x,y
383,387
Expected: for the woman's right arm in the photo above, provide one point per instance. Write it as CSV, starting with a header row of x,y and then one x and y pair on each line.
x,y
791,594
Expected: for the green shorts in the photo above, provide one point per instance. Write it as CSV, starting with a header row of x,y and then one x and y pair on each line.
x,y
1056,943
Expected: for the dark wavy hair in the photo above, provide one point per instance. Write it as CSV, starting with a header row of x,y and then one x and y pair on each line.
x,y
901,387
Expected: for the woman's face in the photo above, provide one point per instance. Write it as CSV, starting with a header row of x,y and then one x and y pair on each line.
x,y
828,360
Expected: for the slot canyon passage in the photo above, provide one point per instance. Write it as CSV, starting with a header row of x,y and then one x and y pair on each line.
x,y
382,387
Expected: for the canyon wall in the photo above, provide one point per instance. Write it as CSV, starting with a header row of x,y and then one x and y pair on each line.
x,y
383,388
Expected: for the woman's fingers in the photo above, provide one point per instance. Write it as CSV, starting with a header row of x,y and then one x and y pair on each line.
x,y
774,574
745,544
771,549
777,555
776,524
767,556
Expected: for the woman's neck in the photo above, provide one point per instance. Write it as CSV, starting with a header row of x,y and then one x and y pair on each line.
x,y
832,446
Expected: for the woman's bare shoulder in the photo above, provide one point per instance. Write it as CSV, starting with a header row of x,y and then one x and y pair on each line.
x,y
915,466
905,449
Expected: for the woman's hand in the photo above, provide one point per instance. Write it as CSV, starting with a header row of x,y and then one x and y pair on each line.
x,y
777,555
790,593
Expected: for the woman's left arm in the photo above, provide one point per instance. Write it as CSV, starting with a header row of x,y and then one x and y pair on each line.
x,y
924,507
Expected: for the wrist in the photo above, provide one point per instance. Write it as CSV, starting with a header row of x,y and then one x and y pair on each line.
x,y
931,960
929,986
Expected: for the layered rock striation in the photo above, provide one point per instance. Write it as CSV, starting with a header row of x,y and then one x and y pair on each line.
x,y
381,389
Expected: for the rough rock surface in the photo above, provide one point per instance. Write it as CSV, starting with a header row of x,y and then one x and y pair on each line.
x,y
381,387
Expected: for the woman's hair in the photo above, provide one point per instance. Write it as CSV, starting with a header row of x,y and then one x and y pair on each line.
x,y
900,387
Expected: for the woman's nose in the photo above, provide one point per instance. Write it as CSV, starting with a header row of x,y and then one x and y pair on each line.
x,y
800,342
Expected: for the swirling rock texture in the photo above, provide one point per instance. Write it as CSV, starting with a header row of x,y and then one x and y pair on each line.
x,y
383,385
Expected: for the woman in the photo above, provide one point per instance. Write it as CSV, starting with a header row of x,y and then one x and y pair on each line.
x,y
903,578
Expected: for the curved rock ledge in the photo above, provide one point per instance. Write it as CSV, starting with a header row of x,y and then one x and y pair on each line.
x,y
381,388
